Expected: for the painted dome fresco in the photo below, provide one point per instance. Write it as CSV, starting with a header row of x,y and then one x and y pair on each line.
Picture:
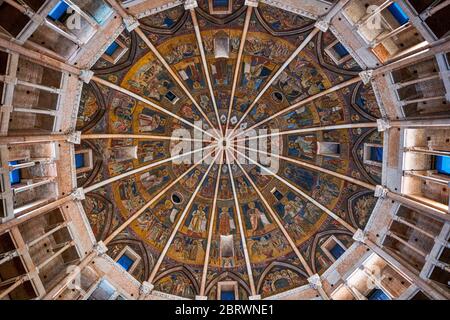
x,y
264,231
224,149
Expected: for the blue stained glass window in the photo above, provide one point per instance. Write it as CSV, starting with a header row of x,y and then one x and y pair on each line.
x,y
79,160
340,50
125,262
14,176
112,48
378,294
376,154
58,11
227,295
337,251
443,164
398,13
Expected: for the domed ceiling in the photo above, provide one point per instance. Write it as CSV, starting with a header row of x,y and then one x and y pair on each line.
x,y
272,37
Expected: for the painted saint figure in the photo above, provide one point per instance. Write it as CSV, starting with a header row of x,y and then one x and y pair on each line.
x,y
198,222
226,222
149,123
258,219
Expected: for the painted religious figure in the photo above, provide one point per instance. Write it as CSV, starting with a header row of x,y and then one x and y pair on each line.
x,y
197,224
257,218
149,123
226,223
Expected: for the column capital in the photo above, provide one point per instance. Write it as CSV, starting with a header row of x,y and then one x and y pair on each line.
x,y
383,125
101,248
322,25
146,288
447,96
86,75
7,79
131,23
201,298
366,76
6,108
190,4
381,191
360,236
74,137
252,3
315,281
78,194
35,17
426,13
255,297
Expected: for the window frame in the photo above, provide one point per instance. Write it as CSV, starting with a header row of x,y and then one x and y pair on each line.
x,y
326,245
88,161
367,159
225,285
331,52
129,252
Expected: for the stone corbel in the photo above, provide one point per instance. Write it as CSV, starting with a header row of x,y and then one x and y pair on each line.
x,y
131,23
78,194
383,125
251,3
426,13
366,76
35,17
100,248
381,192
86,75
10,80
360,236
6,108
322,25
447,96
146,288
315,282
190,4
74,137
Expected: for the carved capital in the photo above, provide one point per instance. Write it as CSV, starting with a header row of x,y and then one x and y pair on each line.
x,y
86,75
35,17
366,76
78,194
383,125
146,288
447,96
381,192
251,3
322,25
131,23
6,108
74,137
101,248
315,281
427,13
360,236
190,4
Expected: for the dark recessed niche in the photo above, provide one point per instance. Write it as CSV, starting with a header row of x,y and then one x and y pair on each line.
x,y
176,198
277,97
